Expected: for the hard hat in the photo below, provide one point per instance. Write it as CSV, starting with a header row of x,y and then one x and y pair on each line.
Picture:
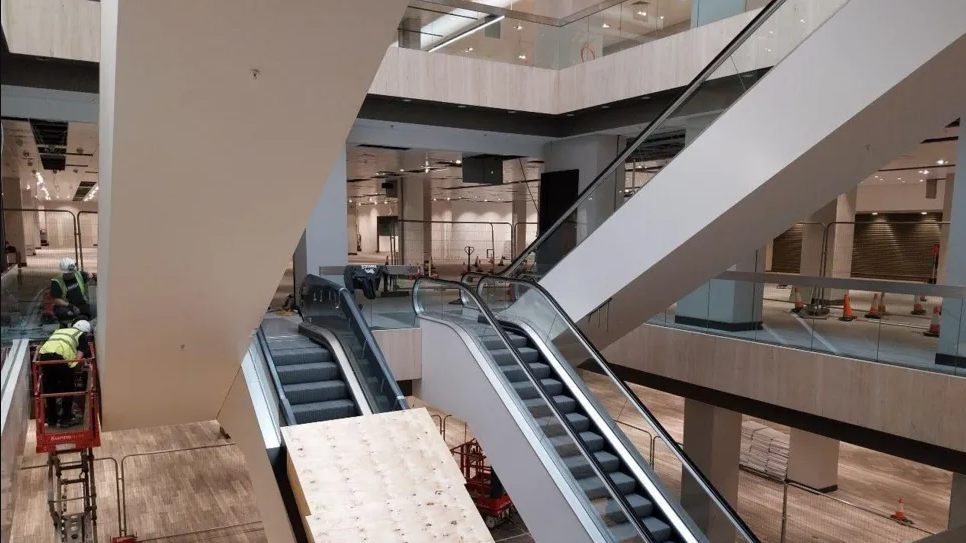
x,y
83,326
67,265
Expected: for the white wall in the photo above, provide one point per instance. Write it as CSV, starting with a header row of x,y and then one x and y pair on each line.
x,y
453,238
893,198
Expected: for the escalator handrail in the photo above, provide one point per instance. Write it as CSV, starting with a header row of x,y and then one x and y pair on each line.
x,y
348,305
642,410
688,91
565,423
287,413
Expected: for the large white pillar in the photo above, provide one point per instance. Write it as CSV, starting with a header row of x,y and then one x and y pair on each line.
x,y
417,206
518,216
213,131
323,243
832,226
712,439
813,460
952,338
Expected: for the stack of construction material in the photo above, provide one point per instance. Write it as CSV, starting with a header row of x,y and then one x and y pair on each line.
x,y
764,449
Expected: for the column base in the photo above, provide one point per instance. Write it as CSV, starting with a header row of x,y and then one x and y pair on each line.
x,y
944,359
825,490
718,325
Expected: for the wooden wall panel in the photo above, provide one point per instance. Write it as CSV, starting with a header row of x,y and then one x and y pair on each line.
x,y
68,29
906,402
403,349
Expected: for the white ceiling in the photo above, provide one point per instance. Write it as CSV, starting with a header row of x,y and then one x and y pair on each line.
x,y
21,158
921,163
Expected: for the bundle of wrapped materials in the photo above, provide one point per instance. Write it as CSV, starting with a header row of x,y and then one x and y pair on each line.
x,y
764,449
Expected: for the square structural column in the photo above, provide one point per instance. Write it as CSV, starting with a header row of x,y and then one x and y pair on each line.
x,y
323,243
518,216
416,232
827,238
952,337
712,439
570,166
813,461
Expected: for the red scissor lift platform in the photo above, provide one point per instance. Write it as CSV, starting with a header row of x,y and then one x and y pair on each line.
x,y
491,500
72,495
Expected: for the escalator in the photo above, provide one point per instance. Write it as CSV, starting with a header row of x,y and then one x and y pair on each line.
x,y
789,142
523,373
325,363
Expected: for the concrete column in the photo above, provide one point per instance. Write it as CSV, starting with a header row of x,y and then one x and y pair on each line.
x,y
323,243
518,216
416,244
837,245
352,228
949,187
813,461
957,501
712,438
13,221
589,155
952,338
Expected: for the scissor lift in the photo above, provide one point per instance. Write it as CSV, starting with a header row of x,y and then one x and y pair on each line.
x,y
71,491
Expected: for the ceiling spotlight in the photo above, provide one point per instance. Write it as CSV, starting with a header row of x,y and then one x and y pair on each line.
x,y
923,212
458,161
350,200
468,50
402,169
662,17
521,56
940,162
925,172
642,13
447,199
519,26
875,213
605,25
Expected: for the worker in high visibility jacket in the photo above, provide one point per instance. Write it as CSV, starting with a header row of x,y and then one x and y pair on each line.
x,y
70,292
70,344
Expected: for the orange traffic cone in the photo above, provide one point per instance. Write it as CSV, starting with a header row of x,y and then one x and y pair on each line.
x,y
847,314
874,308
882,305
934,323
917,308
797,298
900,514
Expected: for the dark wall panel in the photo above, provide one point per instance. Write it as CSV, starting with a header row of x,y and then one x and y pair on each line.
x,y
558,191
786,255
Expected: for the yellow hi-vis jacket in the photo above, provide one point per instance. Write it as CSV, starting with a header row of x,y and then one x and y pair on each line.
x,y
64,343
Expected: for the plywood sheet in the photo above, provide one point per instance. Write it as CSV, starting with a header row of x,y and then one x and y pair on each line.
x,y
382,478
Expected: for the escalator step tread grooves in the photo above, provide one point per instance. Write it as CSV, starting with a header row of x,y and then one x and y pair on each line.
x,y
578,465
311,380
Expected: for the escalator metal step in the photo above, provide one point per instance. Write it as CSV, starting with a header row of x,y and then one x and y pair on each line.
x,y
287,357
306,373
566,447
579,466
609,508
538,408
515,373
504,357
322,411
495,342
660,531
319,391
552,427
526,390
594,487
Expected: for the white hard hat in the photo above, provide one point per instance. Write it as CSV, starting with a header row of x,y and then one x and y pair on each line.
x,y
67,264
83,326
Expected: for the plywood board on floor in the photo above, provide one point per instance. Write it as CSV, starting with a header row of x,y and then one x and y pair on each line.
x,y
381,479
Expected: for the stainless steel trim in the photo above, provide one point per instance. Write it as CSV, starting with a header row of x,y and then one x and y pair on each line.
x,y
363,401
631,461
846,283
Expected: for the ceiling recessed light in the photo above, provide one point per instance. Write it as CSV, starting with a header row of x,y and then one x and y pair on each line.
x,y
605,25
461,106
519,26
940,162
458,161
801,21
605,107
468,50
447,199
921,180
875,212
925,172
521,56
662,17
570,114
642,13
402,169
923,212
511,112
407,100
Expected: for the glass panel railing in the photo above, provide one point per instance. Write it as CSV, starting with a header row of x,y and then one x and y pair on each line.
x,y
430,301
916,325
329,305
527,39
772,34
526,302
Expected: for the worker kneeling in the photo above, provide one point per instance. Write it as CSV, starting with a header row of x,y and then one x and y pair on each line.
x,y
69,291
69,344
